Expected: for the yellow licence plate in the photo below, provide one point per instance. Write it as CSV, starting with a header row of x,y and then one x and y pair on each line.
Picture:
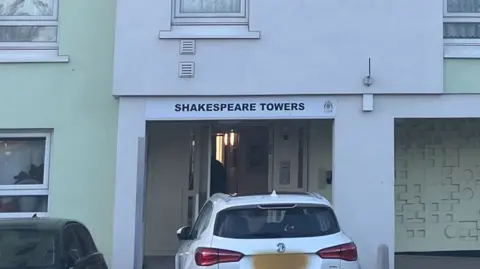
x,y
280,261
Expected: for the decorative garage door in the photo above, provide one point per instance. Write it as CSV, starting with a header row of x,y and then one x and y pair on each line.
x,y
437,184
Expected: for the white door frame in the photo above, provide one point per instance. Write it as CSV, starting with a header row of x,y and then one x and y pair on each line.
x,y
190,193
200,150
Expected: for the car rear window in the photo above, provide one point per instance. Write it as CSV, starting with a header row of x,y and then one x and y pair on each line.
x,y
276,221
26,248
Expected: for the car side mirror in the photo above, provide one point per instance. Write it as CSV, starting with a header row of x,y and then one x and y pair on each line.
x,y
184,233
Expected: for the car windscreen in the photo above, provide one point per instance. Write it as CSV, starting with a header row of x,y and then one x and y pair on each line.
x,y
276,221
27,248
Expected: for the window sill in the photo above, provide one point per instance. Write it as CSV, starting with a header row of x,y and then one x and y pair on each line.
x,y
12,215
32,56
461,49
209,32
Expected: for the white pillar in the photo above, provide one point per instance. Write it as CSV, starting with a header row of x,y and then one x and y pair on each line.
x,y
131,128
363,178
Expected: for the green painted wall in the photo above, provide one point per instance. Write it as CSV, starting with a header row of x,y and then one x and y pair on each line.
x,y
462,75
75,99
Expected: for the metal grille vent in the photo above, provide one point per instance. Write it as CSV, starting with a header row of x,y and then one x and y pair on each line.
x,y
187,47
186,69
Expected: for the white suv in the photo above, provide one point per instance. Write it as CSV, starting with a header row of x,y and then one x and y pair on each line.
x,y
272,231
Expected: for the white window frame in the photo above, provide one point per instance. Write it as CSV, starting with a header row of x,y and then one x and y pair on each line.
x,y
460,15
32,52
179,18
460,47
29,189
31,21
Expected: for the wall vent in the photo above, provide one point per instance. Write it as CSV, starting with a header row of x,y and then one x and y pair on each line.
x,y
186,69
187,47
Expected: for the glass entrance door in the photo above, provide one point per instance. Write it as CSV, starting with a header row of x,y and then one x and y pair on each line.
x,y
199,171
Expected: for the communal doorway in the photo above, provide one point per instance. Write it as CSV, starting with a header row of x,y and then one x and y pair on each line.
x,y
189,161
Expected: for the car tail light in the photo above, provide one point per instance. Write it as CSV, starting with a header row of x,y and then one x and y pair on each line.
x,y
211,256
346,252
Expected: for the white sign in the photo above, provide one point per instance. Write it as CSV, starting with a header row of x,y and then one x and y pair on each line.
x,y
235,107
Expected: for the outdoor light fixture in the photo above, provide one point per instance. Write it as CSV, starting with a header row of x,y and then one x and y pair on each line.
x,y
232,138
225,139
229,139
368,80
219,147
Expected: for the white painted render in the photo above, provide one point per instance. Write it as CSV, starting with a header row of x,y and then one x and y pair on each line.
x,y
363,170
289,47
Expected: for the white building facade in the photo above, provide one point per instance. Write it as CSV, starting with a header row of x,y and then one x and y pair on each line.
x,y
326,80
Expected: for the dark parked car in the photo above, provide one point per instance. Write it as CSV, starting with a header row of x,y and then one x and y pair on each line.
x,y
47,243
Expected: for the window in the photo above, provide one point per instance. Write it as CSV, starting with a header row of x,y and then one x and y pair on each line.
x,y
254,222
29,27
27,247
210,12
462,19
24,170
209,19
202,221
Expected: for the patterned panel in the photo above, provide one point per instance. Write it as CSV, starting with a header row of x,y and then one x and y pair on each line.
x,y
437,184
